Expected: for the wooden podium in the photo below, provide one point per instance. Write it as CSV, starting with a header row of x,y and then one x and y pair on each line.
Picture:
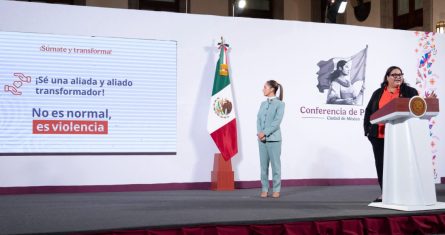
x,y
408,180
222,174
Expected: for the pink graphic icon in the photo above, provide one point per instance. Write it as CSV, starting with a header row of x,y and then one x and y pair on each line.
x,y
17,84
22,77
14,89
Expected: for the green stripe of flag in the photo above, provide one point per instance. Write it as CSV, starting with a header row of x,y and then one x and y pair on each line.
x,y
220,81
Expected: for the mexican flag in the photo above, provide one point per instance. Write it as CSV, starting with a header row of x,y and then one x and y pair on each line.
x,y
222,119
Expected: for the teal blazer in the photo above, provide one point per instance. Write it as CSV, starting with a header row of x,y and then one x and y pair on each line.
x,y
269,119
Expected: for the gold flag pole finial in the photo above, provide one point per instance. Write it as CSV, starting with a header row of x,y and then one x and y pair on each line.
x,y
223,69
222,43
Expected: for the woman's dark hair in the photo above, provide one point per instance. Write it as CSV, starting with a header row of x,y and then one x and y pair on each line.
x,y
388,72
337,72
275,86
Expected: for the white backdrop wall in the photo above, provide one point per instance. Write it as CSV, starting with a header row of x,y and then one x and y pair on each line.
x,y
261,50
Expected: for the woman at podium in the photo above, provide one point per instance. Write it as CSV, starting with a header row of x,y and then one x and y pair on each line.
x,y
393,86
269,137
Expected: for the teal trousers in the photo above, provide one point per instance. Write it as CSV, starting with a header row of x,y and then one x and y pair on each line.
x,y
270,153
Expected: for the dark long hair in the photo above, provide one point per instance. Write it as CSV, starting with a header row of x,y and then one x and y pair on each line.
x,y
275,86
337,72
388,72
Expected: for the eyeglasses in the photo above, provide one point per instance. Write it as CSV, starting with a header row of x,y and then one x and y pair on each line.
x,y
396,75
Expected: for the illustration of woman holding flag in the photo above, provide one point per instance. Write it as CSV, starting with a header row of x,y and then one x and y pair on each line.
x,y
342,91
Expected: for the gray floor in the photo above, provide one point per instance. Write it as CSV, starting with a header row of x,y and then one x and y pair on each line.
x,y
60,213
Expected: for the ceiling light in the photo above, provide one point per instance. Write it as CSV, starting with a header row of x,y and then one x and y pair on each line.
x,y
342,7
242,4
440,27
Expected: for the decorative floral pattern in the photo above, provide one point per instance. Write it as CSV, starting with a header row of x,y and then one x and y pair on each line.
x,y
426,82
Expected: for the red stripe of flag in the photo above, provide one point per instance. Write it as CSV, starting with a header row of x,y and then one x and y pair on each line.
x,y
226,140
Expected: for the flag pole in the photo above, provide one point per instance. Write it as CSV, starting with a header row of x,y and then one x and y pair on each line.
x,y
222,175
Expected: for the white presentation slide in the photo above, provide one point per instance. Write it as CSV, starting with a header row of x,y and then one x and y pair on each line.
x,y
78,95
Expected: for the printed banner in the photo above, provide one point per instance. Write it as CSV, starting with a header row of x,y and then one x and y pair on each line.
x,y
92,95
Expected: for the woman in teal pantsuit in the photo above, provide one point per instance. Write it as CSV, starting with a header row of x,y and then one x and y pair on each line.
x,y
269,137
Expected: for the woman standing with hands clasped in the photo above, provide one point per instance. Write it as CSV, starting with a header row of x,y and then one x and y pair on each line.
x,y
269,137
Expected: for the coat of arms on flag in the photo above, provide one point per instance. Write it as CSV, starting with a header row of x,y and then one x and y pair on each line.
x,y
344,78
221,118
